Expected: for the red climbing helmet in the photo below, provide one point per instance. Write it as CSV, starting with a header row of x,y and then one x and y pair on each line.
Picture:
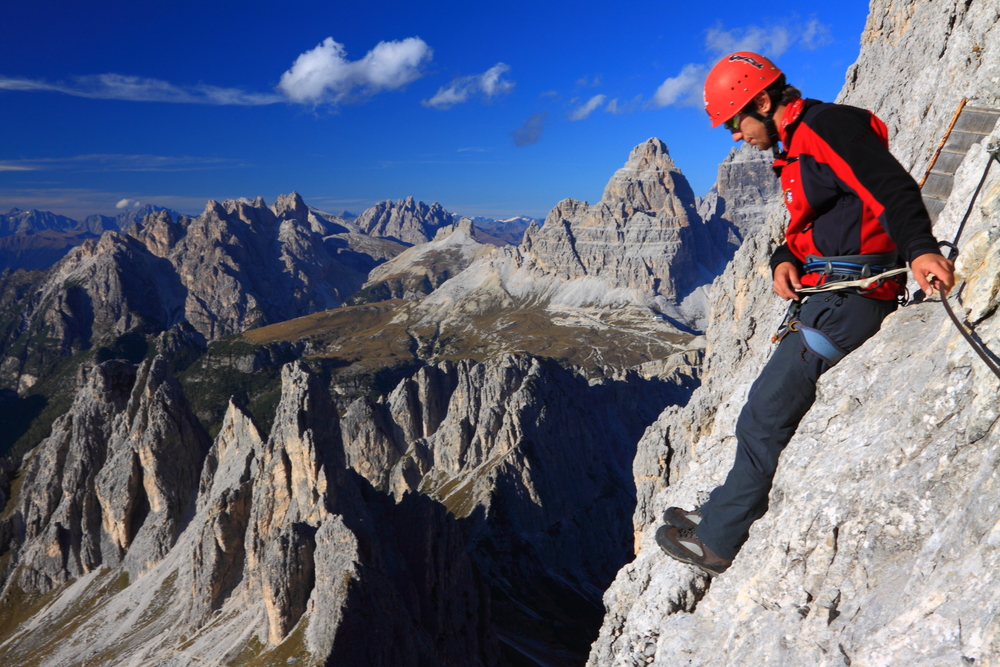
x,y
734,81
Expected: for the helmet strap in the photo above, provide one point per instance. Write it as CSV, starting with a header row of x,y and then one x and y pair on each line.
x,y
770,127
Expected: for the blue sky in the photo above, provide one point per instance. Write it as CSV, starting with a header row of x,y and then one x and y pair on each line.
x,y
493,109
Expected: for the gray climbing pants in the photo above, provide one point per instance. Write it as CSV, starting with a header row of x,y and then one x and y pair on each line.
x,y
778,399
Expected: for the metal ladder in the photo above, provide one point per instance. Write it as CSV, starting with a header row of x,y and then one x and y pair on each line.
x,y
968,127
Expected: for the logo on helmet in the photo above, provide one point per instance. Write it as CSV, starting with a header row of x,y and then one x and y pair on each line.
x,y
746,59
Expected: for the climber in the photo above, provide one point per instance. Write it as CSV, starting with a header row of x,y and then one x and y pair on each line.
x,y
855,212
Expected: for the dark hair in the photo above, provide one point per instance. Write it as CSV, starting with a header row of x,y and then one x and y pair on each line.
x,y
779,92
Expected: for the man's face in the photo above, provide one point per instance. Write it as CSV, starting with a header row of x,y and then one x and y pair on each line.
x,y
752,131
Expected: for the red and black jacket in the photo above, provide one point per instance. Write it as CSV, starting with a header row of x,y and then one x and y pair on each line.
x,y
846,193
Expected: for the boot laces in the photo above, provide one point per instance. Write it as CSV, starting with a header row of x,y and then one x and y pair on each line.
x,y
688,534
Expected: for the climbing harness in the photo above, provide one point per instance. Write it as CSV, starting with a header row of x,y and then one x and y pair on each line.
x,y
861,272
815,340
866,272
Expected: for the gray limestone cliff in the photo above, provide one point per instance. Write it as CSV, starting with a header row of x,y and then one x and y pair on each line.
x,y
406,220
736,207
247,549
473,515
536,460
880,546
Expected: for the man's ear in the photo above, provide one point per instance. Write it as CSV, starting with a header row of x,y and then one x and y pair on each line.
x,y
763,102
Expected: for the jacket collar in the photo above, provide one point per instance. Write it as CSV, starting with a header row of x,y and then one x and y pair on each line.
x,y
794,113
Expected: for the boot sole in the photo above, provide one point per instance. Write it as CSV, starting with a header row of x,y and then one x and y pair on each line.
x,y
678,552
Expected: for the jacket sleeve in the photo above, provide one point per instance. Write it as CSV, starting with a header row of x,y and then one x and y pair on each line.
x,y
861,160
783,254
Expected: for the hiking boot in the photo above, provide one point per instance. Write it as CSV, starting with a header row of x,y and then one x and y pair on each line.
x,y
680,518
684,545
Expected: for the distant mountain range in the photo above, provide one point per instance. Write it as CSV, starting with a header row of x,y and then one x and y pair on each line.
x,y
16,220
38,239
510,230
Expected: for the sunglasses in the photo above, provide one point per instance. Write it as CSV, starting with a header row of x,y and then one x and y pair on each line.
x,y
733,124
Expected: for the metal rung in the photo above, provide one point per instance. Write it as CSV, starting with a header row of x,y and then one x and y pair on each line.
x,y
949,174
973,120
935,197
995,112
963,140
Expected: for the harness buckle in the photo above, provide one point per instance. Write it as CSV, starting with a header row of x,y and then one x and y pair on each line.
x,y
791,322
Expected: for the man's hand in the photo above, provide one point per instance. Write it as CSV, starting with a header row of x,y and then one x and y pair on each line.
x,y
943,269
786,280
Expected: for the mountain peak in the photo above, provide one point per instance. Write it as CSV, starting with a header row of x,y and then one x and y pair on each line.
x,y
406,220
650,181
651,151
291,206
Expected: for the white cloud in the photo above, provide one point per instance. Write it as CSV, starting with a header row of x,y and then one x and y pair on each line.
x,y
128,203
616,107
771,42
324,74
683,89
138,89
490,83
587,108
815,35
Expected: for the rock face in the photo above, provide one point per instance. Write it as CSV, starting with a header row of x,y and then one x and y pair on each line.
x,y
882,511
536,460
62,518
945,51
115,480
433,517
263,550
407,221
737,205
